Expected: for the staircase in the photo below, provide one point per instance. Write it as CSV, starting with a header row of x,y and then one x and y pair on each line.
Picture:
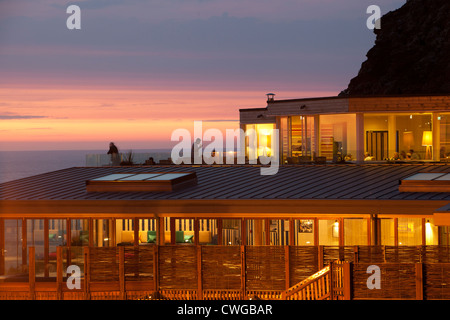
x,y
330,283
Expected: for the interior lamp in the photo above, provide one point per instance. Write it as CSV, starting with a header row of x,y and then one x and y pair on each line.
x,y
427,141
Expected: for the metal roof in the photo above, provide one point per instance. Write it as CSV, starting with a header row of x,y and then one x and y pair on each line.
x,y
330,181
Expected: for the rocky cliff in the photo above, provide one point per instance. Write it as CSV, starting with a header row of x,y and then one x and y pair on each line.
x,y
411,54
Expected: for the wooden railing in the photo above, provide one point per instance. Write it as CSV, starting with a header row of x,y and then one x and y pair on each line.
x,y
316,287
330,283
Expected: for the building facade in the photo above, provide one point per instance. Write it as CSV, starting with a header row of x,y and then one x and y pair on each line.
x,y
355,129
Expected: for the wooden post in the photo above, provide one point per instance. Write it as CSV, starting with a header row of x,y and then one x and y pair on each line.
x,y
32,273
122,272
287,267
87,274
46,248
419,281
331,284
59,272
347,280
291,232
356,254
196,231
199,274
219,231
69,241
172,231
243,273
156,268
136,232
320,257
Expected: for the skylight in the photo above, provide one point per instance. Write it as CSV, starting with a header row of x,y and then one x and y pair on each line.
x,y
426,182
142,182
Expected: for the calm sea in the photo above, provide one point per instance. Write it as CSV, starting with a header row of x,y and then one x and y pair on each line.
x,y
20,164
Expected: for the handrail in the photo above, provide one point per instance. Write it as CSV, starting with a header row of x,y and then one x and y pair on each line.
x,y
315,287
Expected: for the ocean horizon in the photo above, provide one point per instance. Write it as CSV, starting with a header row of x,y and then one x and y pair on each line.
x,y
21,164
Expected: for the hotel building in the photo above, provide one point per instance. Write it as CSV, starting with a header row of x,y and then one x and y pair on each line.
x,y
338,186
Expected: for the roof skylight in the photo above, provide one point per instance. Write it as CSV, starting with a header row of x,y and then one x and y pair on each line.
x,y
142,182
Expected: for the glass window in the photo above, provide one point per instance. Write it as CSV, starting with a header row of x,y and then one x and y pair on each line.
x,y
328,232
387,232
125,232
262,146
338,136
184,231
102,233
304,232
231,232
57,236
13,246
279,232
79,229
207,232
398,136
35,238
409,231
302,136
355,232
256,232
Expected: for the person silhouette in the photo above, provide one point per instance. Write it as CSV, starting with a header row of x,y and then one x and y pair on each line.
x,y
114,152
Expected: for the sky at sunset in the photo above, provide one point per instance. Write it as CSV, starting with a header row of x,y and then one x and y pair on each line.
x,y
139,69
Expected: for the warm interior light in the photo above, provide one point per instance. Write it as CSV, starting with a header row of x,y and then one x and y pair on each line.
x,y
427,139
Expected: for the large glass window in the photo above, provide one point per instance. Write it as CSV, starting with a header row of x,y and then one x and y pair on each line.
x,y
57,235
328,232
387,232
355,232
102,233
409,231
304,232
302,136
256,232
13,246
231,232
338,136
35,238
208,231
184,231
262,145
406,136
